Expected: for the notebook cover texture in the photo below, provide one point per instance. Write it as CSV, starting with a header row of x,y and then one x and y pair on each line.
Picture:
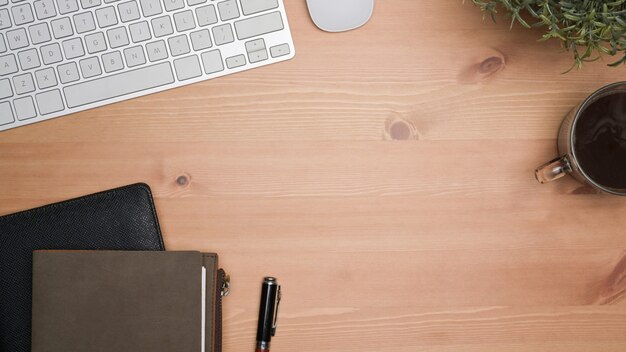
x,y
119,219
122,301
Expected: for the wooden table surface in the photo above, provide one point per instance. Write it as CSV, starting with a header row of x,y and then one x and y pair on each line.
x,y
385,176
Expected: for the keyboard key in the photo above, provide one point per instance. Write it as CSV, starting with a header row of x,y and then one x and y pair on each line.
x,y
184,21
84,22
188,68
24,83
129,11
5,19
29,59
206,15
118,37
201,40
236,61
140,32
5,89
3,44
172,5
151,7
134,56
259,25
138,80
40,33
112,61
22,14
280,50
73,48
156,51
179,45
8,65
257,56
44,9
162,26
106,17
212,62
95,43
67,6
223,34
62,28
46,78
90,67
17,39
195,2
24,108
49,102
51,54
68,72
228,10
87,4
250,7
255,45
6,114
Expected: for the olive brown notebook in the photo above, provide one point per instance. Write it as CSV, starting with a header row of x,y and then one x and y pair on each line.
x,y
120,301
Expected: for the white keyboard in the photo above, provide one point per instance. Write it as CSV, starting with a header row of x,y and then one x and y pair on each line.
x,y
63,56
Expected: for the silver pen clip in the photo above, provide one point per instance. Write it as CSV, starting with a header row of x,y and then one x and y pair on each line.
x,y
275,323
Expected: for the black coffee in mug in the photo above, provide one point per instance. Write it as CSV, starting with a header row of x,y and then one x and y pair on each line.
x,y
592,142
600,141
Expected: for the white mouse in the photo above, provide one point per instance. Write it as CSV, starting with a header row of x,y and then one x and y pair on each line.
x,y
340,15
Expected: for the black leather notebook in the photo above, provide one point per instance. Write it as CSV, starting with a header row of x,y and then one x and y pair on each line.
x,y
119,219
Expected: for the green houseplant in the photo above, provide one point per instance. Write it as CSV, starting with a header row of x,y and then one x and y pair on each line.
x,y
586,28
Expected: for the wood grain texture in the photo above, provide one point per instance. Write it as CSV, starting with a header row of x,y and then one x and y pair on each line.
x,y
384,176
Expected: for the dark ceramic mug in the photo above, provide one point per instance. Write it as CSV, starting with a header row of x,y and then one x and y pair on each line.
x,y
592,143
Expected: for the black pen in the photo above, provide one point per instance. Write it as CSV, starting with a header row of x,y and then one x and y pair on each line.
x,y
268,314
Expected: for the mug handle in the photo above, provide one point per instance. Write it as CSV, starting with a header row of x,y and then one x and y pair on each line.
x,y
553,170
